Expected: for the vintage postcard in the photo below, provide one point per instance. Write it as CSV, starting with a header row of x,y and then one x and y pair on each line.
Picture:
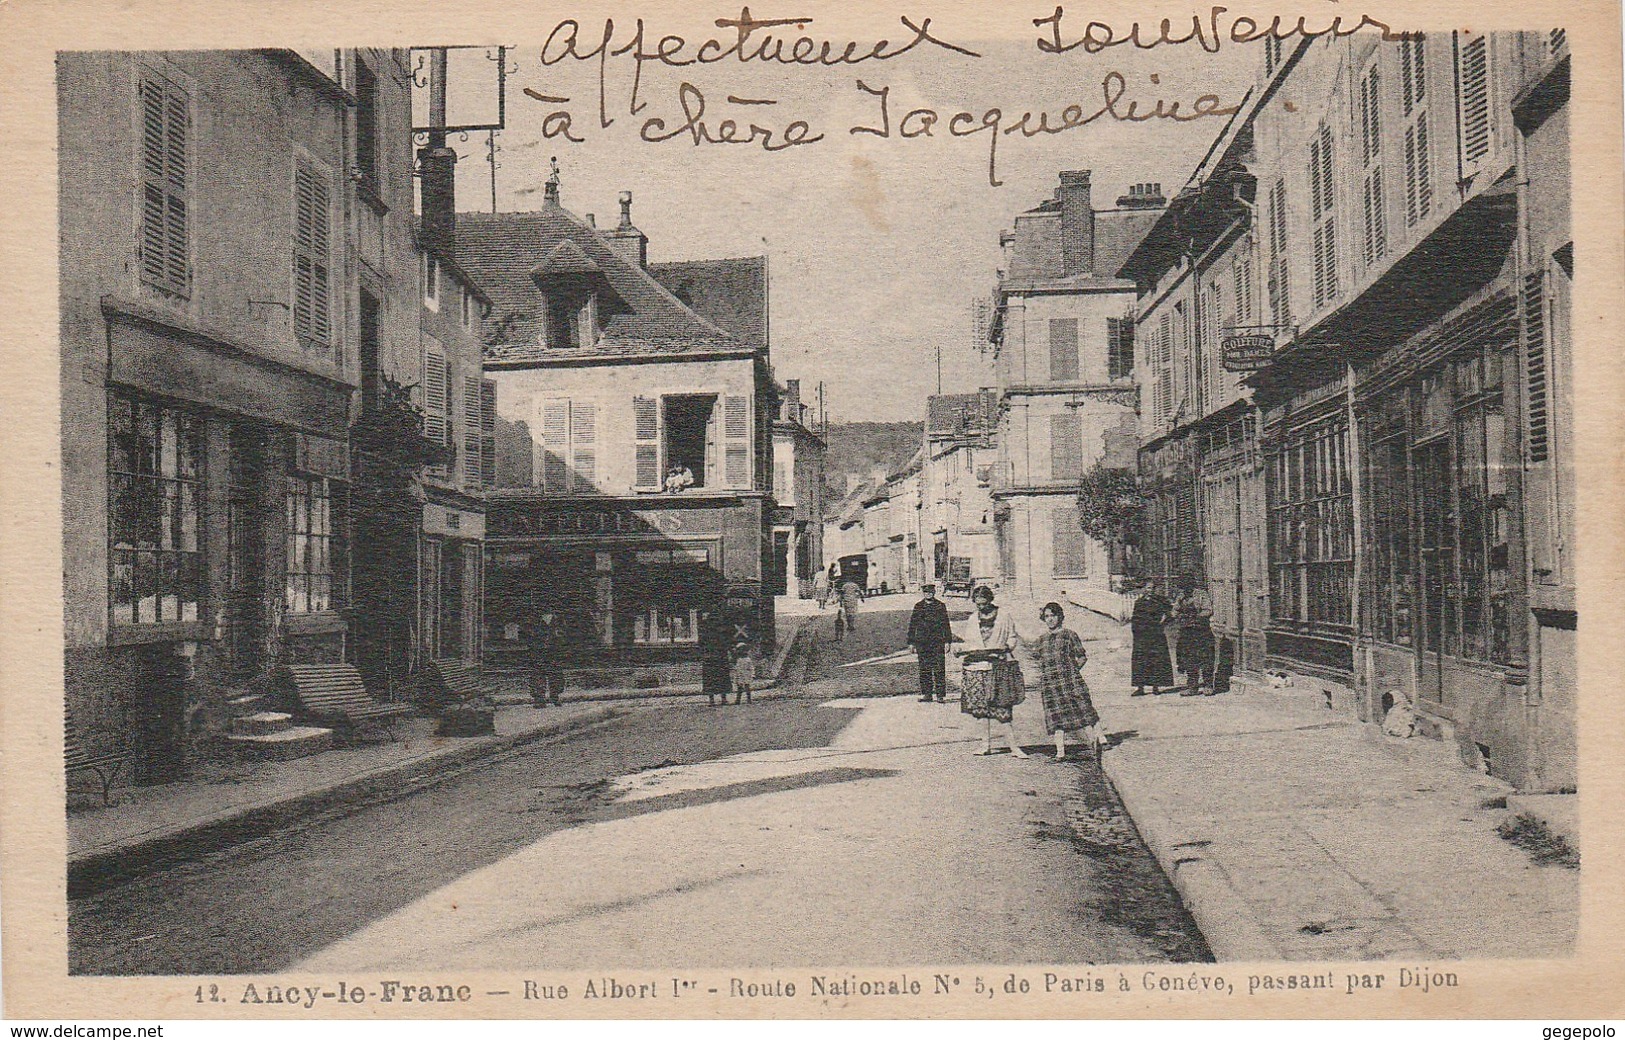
x,y
799,510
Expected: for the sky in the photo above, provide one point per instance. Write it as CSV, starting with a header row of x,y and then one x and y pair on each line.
x,y
876,246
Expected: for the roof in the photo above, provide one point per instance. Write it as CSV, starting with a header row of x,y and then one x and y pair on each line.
x,y
637,315
730,293
960,414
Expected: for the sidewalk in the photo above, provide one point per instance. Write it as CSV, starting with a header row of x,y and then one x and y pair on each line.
x,y
230,802
1295,834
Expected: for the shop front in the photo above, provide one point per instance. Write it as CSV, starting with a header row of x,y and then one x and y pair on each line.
x,y
628,582
1442,528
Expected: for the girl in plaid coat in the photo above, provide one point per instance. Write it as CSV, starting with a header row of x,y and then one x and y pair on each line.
x,y
1067,706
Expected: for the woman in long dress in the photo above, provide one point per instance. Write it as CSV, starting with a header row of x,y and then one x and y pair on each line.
x,y
1067,706
990,683
1151,665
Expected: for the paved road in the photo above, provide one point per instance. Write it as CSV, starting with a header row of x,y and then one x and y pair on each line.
x,y
811,827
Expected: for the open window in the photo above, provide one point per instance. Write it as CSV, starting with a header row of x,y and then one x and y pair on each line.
x,y
690,441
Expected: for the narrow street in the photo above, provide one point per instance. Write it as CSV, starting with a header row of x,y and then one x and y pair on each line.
x,y
838,821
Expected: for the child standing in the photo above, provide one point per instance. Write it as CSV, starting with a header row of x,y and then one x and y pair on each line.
x,y
1067,706
744,672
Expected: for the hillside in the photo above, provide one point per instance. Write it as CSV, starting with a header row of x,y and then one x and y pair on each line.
x,y
862,447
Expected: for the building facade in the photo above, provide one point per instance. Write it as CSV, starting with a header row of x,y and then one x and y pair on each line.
x,y
1405,206
798,496
632,441
211,332
956,537
1062,342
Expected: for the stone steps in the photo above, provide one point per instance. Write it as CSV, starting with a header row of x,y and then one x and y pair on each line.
x,y
291,742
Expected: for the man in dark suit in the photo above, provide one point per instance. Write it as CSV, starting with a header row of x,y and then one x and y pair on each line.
x,y
546,665
929,633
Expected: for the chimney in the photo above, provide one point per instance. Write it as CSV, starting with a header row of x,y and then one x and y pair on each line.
x,y
1077,224
1142,196
438,166
792,400
592,221
626,239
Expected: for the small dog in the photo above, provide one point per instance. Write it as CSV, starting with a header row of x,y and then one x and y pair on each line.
x,y
1278,680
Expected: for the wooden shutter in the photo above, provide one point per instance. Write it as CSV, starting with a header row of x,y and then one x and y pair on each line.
x,y
646,431
165,141
1473,75
1412,73
1242,271
312,252
488,434
736,440
473,453
1066,446
1418,173
1120,347
1322,200
1278,276
1068,542
1535,376
584,446
435,401
556,446
1063,349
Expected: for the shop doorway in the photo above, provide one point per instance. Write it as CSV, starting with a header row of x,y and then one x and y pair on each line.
x,y
1436,550
245,551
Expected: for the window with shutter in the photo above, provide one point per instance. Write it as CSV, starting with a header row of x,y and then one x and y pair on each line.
x,y
1242,275
584,446
1068,542
646,431
1066,446
1063,349
488,434
1278,272
556,447
736,440
164,246
435,402
1372,204
1473,100
1120,347
1418,159
1322,205
1534,327
473,445
312,256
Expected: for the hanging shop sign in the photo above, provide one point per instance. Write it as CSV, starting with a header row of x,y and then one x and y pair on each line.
x,y
1246,351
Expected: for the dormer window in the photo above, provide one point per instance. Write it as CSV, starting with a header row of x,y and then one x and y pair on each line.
x,y
571,322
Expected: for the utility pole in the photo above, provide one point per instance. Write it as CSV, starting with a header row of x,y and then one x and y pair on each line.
x,y
939,368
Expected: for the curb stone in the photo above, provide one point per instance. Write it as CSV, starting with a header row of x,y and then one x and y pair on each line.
x,y
1232,932
98,869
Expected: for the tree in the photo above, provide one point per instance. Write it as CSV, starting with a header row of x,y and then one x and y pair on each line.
x,y
1111,507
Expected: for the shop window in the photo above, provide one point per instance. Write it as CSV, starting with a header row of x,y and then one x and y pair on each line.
x,y
155,498
1312,526
668,587
1390,574
312,544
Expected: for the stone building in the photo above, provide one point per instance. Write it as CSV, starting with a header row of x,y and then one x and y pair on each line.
x,y
1405,207
230,263
632,442
1063,347
956,501
798,495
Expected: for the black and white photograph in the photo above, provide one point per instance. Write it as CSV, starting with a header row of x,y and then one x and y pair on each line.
x,y
816,511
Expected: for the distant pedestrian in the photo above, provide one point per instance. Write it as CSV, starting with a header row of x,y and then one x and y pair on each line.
x,y
1150,665
1061,657
991,684
546,666
821,589
850,596
716,664
743,672
1194,613
929,633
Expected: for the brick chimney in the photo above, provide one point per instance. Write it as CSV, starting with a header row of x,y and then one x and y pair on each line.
x,y
438,168
792,400
627,240
1077,224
